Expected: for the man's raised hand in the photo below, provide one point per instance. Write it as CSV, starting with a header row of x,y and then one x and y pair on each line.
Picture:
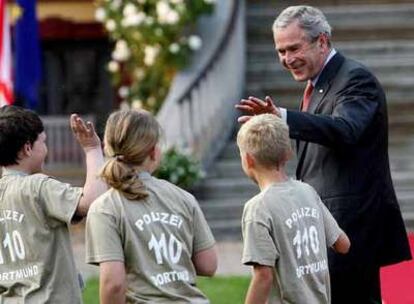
x,y
255,106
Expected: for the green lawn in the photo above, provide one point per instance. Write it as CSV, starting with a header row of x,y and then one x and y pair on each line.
x,y
220,290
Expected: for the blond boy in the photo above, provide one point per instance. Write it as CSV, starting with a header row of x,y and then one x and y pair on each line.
x,y
286,228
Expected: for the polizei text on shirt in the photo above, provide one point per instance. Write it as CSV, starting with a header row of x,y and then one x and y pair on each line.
x,y
158,217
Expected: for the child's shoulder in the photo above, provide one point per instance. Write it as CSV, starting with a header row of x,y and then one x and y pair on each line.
x,y
41,177
255,204
296,186
171,189
303,185
105,202
32,182
277,195
257,199
307,190
47,182
172,195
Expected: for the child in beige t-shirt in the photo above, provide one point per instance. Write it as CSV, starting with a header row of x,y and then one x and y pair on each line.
x,y
148,236
36,259
286,227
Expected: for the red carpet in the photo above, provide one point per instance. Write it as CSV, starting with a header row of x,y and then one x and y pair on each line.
x,y
397,281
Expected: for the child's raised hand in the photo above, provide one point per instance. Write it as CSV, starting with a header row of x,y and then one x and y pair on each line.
x,y
84,133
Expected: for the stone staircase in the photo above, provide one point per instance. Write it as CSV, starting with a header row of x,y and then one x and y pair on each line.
x,y
380,34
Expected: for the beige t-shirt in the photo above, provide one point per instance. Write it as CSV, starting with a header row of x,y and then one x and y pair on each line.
x,y
155,238
287,227
36,260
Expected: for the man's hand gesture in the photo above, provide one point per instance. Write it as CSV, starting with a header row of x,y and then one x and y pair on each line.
x,y
255,106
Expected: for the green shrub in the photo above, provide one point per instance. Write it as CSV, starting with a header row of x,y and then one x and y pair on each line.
x,y
179,169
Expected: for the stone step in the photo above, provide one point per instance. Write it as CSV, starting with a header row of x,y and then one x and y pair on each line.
x,y
371,49
382,68
226,229
408,218
225,206
233,185
396,139
226,187
289,92
402,163
361,13
266,37
405,195
224,217
400,140
400,143
403,80
400,152
231,208
230,150
352,22
406,199
398,84
398,164
401,160
231,167
402,168
381,65
289,97
378,63
403,179
228,168
401,118
277,4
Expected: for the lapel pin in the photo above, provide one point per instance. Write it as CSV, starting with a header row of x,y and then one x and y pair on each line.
x,y
320,90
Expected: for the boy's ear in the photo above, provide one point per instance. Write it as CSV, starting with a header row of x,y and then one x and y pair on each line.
x,y
153,153
26,150
250,160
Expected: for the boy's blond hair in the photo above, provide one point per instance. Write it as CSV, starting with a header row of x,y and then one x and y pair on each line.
x,y
266,138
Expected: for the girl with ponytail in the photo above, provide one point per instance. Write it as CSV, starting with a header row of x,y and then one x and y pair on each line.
x,y
149,237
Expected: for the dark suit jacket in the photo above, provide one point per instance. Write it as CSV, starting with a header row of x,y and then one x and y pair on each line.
x,y
343,154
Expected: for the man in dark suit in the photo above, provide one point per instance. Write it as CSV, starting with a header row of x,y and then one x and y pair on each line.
x,y
342,145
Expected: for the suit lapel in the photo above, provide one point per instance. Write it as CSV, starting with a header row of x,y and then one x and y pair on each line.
x,y
319,92
324,82
317,96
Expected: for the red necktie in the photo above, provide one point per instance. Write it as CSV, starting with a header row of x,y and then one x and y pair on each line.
x,y
307,96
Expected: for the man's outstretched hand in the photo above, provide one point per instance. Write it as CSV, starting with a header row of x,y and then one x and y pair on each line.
x,y
255,106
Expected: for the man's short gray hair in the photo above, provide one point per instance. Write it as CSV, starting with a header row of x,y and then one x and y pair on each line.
x,y
309,18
